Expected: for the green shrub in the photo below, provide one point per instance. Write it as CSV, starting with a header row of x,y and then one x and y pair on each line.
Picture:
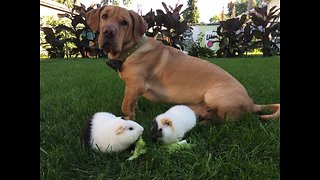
x,y
265,28
197,50
234,37
73,38
167,27
52,41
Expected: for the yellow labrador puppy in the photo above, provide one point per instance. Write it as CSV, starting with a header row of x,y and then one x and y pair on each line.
x,y
164,74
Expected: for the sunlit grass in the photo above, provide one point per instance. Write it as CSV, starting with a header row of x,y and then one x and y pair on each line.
x,y
73,90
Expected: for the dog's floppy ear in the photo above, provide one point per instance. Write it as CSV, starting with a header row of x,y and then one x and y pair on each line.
x,y
140,26
92,18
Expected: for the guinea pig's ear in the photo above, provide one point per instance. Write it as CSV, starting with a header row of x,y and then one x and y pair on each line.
x,y
166,122
119,130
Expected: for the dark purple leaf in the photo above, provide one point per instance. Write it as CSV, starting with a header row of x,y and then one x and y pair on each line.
x,y
257,20
183,26
61,27
239,23
175,16
261,11
64,15
159,20
77,19
159,12
165,7
219,30
178,8
273,9
168,21
48,32
247,29
256,33
272,28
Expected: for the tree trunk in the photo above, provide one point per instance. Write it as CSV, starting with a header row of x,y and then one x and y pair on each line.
x,y
250,4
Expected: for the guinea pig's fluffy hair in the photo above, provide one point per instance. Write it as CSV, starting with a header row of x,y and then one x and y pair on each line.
x,y
108,133
172,125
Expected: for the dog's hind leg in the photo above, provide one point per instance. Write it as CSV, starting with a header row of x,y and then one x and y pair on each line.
x,y
201,111
228,105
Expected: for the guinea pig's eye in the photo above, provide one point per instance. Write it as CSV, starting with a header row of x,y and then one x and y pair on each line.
x,y
160,129
104,16
124,23
130,128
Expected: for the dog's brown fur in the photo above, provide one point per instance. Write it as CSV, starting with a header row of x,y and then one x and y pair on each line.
x,y
165,74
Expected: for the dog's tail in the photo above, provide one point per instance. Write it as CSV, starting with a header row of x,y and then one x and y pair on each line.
x,y
274,108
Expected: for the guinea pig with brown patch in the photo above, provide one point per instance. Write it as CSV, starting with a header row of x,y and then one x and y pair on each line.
x,y
108,133
171,126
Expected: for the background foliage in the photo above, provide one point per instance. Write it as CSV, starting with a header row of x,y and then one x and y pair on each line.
x,y
167,27
191,13
266,28
236,36
197,50
239,35
72,38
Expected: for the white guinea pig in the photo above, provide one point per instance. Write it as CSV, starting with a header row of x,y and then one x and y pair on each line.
x,y
108,133
171,126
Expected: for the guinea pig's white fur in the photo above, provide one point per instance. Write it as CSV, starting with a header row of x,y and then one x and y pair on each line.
x,y
112,134
174,123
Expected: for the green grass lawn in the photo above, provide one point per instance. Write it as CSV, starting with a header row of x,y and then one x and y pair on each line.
x,y
73,90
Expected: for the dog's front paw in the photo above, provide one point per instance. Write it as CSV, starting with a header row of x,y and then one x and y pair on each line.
x,y
127,118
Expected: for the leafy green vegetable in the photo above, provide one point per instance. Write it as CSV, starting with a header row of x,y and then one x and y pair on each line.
x,y
181,145
139,149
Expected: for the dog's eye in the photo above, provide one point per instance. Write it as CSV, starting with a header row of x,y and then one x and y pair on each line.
x,y
104,16
130,128
160,129
124,23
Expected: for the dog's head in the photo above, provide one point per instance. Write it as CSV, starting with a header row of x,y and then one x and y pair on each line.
x,y
118,28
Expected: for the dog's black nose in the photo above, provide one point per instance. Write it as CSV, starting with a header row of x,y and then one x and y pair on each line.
x,y
109,31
